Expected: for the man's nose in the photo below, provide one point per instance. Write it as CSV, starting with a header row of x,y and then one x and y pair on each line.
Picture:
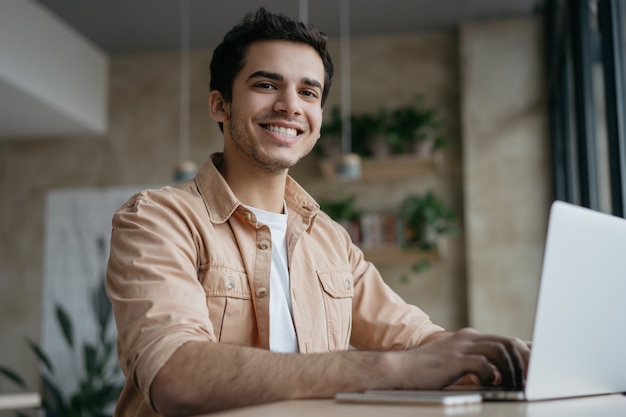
x,y
288,102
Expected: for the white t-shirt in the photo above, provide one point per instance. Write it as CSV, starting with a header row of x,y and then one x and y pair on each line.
x,y
282,332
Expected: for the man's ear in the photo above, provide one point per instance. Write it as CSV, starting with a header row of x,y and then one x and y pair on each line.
x,y
218,107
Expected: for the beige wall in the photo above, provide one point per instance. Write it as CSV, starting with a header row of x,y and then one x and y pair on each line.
x,y
507,171
141,148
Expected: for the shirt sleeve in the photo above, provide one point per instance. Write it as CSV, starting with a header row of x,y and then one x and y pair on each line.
x,y
382,320
152,282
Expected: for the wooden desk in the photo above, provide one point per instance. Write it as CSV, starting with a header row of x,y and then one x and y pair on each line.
x,y
600,406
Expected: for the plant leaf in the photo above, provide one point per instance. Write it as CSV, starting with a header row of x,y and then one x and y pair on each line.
x,y
52,398
420,266
102,307
66,325
41,355
13,376
89,354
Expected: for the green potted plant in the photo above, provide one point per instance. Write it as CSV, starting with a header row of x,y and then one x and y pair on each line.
x,y
328,147
364,127
345,212
329,144
415,128
340,209
426,218
369,134
101,381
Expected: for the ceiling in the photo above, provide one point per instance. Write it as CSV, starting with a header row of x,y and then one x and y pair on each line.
x,y
41,95
134,26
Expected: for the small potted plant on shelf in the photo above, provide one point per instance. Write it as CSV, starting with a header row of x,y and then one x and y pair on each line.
x,y
368,131
345,212
426,218
369,134
329,144
415,128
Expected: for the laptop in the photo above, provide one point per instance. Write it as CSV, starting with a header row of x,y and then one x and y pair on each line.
x,y
579,336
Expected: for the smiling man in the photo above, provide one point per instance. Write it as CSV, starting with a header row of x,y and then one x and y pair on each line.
x,y
272,121
234,289
286,105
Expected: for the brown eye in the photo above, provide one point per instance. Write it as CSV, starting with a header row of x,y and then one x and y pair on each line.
x,y
264,86
309,93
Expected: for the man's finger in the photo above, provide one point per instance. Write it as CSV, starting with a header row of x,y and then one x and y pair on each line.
x,y
504,355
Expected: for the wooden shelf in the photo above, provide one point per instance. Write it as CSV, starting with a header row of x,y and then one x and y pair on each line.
x,y
388,255
396,167
393,167
401,166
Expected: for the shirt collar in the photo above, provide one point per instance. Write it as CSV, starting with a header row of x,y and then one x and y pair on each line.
x,y
221,202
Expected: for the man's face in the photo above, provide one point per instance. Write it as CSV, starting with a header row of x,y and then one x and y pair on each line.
x,y
275,115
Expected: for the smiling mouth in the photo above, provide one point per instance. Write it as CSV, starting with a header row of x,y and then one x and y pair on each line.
x,y
283,131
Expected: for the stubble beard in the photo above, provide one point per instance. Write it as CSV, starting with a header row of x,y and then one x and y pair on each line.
x,y
266,162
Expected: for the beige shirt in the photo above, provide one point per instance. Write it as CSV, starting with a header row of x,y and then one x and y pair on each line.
x,y
190,263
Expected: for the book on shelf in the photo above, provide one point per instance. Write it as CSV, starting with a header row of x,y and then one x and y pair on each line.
x,y
376,230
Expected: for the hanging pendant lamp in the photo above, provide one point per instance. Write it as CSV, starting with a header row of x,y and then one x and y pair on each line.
x,y
349,164
186,169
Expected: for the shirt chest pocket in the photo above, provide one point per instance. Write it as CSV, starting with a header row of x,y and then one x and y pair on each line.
x,y
230,305
338,291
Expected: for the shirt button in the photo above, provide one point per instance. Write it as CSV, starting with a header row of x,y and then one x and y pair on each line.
x,y
261,292
247,215
348,284
264,244
230,284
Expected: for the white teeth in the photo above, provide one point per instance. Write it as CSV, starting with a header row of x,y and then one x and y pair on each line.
x,y
285,131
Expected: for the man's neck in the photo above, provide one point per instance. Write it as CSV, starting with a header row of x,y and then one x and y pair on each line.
x,y
253,186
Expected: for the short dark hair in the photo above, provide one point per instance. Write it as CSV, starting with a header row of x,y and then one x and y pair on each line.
x,y
228,57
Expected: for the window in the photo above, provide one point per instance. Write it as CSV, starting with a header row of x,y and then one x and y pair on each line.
x,y
586,48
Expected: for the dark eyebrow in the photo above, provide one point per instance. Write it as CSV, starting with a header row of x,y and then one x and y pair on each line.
x,y
266,74
274,76
312,83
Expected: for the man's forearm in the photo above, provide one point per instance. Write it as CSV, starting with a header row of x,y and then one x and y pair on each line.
x,y
201,377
